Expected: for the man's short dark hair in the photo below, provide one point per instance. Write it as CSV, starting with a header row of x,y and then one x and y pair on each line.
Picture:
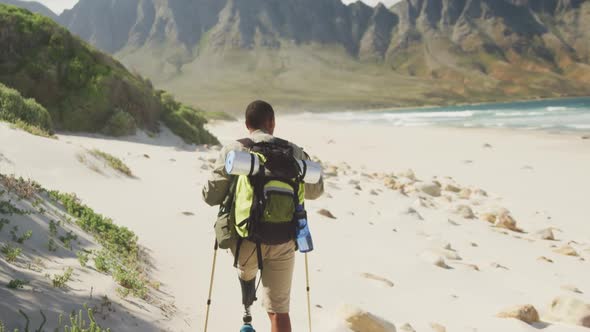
x,y
258,113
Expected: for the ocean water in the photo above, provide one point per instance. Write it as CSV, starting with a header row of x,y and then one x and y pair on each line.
x,y
572,114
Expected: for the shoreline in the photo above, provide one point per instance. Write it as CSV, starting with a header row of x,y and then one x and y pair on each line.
x,y
422,107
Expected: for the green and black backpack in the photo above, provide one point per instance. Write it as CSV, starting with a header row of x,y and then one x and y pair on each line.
x,y
265,201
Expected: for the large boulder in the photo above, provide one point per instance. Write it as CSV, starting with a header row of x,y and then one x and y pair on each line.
x,y
570,310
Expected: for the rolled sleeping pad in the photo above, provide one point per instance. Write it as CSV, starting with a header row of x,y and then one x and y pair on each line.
x,y
311,172
242,163
245,163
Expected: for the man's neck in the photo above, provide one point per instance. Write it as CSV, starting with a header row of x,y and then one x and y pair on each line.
x,y
252,131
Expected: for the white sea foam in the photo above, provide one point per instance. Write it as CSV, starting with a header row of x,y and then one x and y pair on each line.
x,y
571,115
556,108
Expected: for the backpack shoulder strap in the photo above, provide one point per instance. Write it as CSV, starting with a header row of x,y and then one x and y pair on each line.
x,y
247,142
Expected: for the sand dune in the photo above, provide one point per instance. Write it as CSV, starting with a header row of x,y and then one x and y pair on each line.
x,y
421,240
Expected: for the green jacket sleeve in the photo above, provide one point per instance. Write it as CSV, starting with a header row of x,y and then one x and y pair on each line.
x,y
312,190
217,186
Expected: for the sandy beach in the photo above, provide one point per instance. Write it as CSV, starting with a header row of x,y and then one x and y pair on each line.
x,y
434,227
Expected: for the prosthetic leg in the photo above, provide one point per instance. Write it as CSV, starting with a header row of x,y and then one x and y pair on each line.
x,y
248,298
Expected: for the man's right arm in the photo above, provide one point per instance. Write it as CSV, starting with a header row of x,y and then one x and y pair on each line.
x,y
217,187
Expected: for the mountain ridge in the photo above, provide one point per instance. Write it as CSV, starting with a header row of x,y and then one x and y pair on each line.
x,y
452,51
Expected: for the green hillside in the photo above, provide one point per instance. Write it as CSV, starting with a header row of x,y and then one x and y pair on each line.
x,y
81,88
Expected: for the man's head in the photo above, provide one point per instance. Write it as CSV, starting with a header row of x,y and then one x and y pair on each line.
x,y
260,116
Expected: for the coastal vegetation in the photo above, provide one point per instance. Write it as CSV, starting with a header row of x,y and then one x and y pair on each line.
x,y
68,85
26,206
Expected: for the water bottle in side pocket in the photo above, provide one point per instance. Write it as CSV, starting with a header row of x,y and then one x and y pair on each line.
x,y
304,241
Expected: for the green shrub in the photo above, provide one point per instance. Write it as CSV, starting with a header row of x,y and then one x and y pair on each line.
x,y
25,236
188,124
101,262
67,239
114,162
51,245
60,280
3,221
17,284
82,258
132,281
120,123
25,114
7,208
80,86
11,253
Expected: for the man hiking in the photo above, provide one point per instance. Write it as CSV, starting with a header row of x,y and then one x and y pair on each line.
x,y
268,246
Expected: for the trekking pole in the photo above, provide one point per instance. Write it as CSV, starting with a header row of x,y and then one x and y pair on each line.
x,y
211,284
307,287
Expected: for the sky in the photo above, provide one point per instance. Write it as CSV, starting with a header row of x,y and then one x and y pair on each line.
x,y
59,5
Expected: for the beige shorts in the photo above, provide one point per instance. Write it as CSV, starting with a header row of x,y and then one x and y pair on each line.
x,y
277,273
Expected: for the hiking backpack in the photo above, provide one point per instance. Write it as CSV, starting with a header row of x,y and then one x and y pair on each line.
x,y
265,206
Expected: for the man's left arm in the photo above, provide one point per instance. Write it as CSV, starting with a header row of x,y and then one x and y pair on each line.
x,y
312,190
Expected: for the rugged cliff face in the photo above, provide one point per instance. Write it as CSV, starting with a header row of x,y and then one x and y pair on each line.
x,y
450,50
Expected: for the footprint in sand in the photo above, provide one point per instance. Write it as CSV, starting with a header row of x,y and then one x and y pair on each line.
x,y
380,279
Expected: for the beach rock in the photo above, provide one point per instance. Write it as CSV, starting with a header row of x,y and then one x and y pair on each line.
x,y
447,254
448,198
381,279
545,259
326,213
451,222
467,265
586,137
424,202
437,327
406,328
489,217
526,313
480,192
412,212
465,193
407,174
429,188
507,222
571,288
452,188
498,266
390,183
567,250
331,171
570,310
434,259
437,243
546,234
464,211
361,321
146,156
